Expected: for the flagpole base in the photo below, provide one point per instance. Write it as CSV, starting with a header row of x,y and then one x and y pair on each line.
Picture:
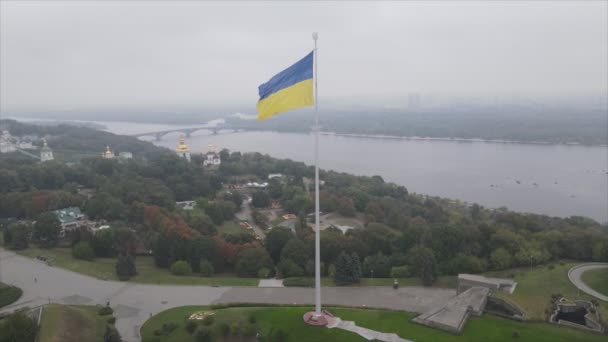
x,y
318,320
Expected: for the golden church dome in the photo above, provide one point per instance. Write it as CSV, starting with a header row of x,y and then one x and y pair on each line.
x,y
108,153
182,147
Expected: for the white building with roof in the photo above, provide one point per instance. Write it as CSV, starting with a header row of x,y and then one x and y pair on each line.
x,y
211,157
46,153
125,155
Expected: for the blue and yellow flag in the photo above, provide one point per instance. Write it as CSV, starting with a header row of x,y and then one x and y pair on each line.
x,y
287,90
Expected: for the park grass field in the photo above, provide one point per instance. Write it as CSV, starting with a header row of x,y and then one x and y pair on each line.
x,y
535,285
9,294
232,228
485,328
104,268
148,273
597,280
71,323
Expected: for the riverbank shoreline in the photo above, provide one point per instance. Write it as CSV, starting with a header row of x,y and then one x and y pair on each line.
x,y
101,126
450,139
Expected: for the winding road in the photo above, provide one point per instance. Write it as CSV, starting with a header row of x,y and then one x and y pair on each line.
x,y
575,273
134,303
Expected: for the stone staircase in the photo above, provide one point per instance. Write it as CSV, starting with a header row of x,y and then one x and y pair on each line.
x,y
454,314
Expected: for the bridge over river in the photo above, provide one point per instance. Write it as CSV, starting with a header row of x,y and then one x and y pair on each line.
x,y
187,131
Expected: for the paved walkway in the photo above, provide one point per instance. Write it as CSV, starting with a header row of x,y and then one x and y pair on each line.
x,y
135,303
245,214
575,273
367,334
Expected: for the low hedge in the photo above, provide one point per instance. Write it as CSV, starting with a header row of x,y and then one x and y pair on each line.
x,y
106,310
299,282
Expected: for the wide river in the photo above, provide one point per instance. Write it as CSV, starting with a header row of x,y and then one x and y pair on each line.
x,y
556,180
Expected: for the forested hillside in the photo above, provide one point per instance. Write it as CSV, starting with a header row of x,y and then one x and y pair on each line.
x,y
70,143
403,234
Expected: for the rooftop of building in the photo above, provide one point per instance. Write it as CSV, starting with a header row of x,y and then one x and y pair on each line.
x,y
68,215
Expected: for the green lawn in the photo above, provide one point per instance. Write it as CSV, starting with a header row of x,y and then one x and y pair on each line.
x,y
9,294
104,268
535,285
597,280
232,227
71,323
485,328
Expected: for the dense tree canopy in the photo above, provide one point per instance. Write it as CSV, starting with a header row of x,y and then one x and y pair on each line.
x,y
402,232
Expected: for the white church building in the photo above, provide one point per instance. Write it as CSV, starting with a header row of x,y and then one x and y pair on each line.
x,y
211,157
46,153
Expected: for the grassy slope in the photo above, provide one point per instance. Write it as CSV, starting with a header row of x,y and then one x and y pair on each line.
x,y
104,268
71,323
486,328
536,284
597,279
9,294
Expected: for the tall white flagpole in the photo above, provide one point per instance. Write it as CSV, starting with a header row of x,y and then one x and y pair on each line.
x,y
315,36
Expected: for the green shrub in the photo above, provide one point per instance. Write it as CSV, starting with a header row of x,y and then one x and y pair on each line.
x,y
331,271
299,282
106,310
235,328
203,334
111,334
223,329
82,250
111,320
125,267
168,327
249,330
181,268
191,326
264,273
18,327
251,319
208,320
400,272
206,268
151,339
251,260
289,269
278,335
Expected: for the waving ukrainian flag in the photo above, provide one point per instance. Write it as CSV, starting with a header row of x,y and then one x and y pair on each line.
x,y
287,90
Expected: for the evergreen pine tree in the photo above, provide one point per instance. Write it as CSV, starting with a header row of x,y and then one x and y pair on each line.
x,y
355,269
343,269
125,267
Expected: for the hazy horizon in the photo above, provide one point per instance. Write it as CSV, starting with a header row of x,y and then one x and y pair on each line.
x,y
68,55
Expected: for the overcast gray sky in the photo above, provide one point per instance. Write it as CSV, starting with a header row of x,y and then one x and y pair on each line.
x,y
69,54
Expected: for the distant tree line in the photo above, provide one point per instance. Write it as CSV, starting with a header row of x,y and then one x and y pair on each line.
x,y
513,122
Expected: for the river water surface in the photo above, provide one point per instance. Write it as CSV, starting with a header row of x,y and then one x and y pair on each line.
x,y
557,180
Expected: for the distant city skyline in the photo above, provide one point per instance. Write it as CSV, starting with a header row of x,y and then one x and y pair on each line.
x,y
69,55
